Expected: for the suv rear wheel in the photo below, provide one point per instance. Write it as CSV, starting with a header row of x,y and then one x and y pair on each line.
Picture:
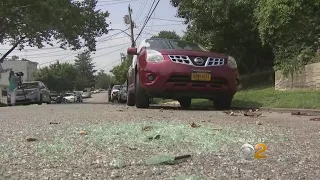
x,y
185,103
223,102
141,97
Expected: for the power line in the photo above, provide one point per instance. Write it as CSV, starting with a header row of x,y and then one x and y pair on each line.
x,y
167,19
141,9
147,19
113,3
110,63
37,54
111,51
166,25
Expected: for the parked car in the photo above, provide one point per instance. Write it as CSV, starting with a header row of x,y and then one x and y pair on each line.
x,y
180,70
60,99
122,95
86,93
114,92
32,92
70,97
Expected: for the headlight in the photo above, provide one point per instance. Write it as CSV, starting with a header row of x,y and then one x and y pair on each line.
x,y
154,56
232,62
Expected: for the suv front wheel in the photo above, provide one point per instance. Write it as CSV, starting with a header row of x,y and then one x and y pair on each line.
x,y
223,102
141,97
185,103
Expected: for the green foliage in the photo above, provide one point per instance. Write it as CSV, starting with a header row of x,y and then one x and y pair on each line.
x,y
167,35
42,21
58,77
227,27
85,68
103,80
120,71
292,28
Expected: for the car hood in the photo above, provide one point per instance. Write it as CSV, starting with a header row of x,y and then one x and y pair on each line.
x,y
115,90
26,91
192,53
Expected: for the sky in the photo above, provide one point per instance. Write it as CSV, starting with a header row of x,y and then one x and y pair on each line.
x,y
109,47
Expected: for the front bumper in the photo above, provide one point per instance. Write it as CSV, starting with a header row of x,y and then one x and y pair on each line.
x,y
23,100
174,80
115,95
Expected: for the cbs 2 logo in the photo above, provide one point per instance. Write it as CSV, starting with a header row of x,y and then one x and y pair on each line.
x,y
260,150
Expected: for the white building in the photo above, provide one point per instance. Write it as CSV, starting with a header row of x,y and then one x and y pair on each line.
x,y
25,66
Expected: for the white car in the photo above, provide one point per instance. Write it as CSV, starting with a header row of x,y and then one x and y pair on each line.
x,y
70,97
114,92
86,94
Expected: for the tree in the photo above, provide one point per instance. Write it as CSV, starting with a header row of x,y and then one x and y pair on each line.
x,y
74,24
103,80
58,77
292,28
167,35
120,71
85,68
227,26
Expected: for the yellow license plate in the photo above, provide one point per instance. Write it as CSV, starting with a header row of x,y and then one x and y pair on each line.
x,y
200,77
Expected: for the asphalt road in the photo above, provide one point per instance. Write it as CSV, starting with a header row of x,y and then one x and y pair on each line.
x,y
100,140
97,98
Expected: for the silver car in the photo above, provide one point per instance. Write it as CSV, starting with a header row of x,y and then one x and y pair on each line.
x,y
33,92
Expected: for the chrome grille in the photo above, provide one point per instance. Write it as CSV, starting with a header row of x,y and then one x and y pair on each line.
x,y
209,61
180,59
215,61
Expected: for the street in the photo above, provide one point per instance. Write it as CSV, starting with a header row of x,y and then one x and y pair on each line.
x,y
100,140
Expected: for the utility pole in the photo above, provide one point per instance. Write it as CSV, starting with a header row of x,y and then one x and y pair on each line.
x,y
133,44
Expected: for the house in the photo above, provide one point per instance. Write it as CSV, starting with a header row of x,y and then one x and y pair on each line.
x,y
25,66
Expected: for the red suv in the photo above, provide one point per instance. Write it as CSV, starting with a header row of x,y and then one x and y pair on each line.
x,y
180,70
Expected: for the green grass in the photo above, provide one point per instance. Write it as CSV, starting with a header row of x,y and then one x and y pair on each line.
x,y
206,138
268,97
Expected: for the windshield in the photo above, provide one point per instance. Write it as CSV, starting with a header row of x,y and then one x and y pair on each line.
x,y
29,85
116,87
68,94
173,44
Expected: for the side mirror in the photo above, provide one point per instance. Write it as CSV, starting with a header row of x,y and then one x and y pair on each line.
x,y
132,51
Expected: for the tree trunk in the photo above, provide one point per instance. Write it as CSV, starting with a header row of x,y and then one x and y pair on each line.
x,y
12,48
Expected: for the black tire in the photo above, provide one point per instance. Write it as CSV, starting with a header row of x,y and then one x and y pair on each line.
x,y
141,97
185,103
40,102
223,102
131,99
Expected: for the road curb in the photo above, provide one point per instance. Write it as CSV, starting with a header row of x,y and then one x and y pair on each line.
x,y
290,110
283,110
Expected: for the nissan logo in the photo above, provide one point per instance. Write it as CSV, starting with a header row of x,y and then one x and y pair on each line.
x,y
198,60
